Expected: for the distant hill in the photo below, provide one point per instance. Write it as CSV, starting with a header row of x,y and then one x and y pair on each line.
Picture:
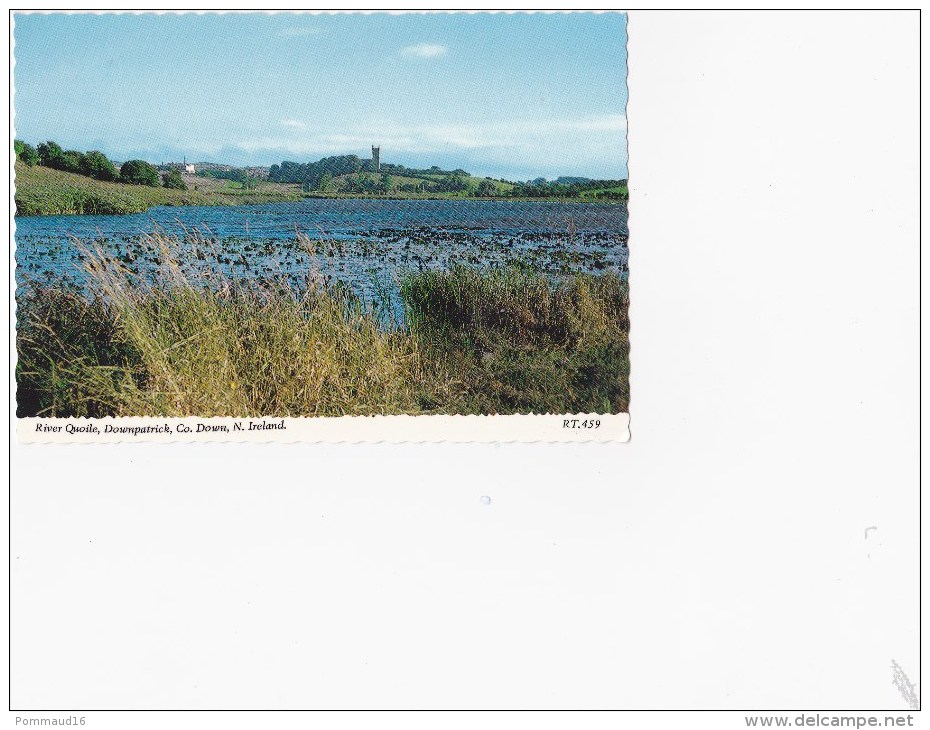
x,y
103,189
349,174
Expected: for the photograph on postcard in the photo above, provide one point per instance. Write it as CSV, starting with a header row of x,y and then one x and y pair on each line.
x,y
304,216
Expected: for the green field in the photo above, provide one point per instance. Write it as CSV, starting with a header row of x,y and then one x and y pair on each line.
x,y
45,191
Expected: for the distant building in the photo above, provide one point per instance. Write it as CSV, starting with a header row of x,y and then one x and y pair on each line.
x,y
375,158
190,169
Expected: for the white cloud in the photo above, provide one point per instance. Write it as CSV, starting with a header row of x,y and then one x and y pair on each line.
x,y
424,50
293,123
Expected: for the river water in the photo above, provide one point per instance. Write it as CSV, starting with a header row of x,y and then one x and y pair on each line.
x,y
366,244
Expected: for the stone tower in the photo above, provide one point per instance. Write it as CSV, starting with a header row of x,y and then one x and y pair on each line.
x,y
375,158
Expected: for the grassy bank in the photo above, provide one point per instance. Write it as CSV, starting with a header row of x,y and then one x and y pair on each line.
x,y
45,191
491,341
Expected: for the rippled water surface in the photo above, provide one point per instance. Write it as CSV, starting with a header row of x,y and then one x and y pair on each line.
x,y
367,244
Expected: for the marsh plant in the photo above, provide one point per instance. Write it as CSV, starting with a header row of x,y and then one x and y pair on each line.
x,y
181,343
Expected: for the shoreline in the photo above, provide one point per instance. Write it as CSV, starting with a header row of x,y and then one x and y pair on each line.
x,y
42,191
321,196
427,196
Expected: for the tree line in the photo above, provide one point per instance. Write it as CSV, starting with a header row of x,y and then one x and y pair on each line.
x,y
95,164
319,176
247,181
354,177
311,174
599,189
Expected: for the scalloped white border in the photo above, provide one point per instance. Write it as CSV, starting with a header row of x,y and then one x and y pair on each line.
x,y
554,428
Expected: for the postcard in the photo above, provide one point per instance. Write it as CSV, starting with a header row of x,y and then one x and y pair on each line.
x,y
249,226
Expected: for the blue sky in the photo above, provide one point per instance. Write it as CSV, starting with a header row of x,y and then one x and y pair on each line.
x,y
507,95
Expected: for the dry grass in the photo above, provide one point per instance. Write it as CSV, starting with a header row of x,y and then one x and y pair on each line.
x,y
500,341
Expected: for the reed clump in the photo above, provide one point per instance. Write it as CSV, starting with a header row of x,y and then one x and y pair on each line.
x,y
522,342
473,341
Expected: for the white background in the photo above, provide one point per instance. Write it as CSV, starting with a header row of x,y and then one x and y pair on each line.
x,y
717,561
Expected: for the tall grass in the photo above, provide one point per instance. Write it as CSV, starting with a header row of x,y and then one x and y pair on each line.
x,y
523,342
492,341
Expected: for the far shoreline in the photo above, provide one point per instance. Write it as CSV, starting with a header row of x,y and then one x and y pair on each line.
x,y
326,196
45,191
